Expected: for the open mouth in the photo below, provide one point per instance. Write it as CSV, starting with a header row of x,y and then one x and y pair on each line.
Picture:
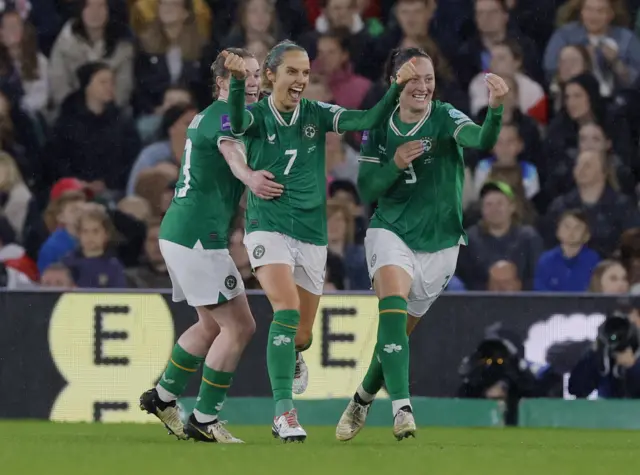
x,y
295,93
420,97
251,96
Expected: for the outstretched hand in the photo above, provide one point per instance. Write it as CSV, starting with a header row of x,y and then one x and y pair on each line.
x,y
235,65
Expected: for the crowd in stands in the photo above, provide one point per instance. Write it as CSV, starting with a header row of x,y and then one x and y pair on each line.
x,y
96,95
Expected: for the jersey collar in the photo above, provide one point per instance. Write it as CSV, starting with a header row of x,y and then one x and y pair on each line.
x,y
279,118
415,127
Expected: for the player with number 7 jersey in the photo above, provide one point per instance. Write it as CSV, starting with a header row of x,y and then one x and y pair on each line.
x,y
286,238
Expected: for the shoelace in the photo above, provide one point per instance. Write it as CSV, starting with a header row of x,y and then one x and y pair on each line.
x,y
222,430
292,419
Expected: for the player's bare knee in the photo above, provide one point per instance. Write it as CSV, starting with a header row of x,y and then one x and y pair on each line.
x,y
246,330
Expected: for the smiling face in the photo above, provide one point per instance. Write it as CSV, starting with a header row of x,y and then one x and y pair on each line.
x,y
290,78
418,92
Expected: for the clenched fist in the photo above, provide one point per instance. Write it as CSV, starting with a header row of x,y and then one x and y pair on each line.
x,y
407,72
235,65
498,90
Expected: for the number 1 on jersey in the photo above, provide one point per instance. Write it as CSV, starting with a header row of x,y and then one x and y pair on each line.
x,y
294,155
182,192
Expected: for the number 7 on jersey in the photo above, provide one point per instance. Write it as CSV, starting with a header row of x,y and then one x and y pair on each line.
x,y
294,155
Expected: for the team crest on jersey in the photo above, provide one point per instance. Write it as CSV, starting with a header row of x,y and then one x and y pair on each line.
x,y
427,143
309,131
258,252
230,282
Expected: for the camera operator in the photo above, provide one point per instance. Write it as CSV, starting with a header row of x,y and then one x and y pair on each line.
x,y
497,370
612,365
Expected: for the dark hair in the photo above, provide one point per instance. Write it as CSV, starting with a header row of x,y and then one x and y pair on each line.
x,y
342,36
400,56
114,31
28,49
577,214
172,115
274,59
513,46
219,71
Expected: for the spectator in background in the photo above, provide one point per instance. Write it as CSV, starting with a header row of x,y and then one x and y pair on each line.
x,y
341,160
343,15
94,34
346,193
152,272
318,90
474,56
568,266
506,62
498,237
582,103
256,20
150,125
93,139
12,255
340,235
136,207
334,63
169,54
600,25
170,146
506,153
57,276
629,256
503,277
608,211
573,61
260,48
143,13
19,53
93,264
16,201
152,185
61,217
609,277
334,278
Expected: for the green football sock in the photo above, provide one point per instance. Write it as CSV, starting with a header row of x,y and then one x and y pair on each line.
x,y
213,391
393,346
374,379
281,357
180,368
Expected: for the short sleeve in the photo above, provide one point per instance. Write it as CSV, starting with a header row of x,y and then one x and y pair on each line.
x,y
329,115
454,120
373,147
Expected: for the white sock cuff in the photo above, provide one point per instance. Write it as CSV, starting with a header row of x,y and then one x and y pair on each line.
x,y
164,395
203,418
399,404
364,395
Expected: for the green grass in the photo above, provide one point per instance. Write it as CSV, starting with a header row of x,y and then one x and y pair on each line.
x,y
122,449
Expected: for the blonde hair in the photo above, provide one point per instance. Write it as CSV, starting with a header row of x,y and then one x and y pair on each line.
x,y
55,207
154,40
595,284
98,213
336,207
570,11
14,177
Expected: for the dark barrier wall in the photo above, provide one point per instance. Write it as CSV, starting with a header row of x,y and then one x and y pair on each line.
x,y
88,356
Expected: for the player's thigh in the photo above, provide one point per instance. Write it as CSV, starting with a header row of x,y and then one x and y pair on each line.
x,y
235,315
172,258
309,275
206,276
390,263
273,262
433,272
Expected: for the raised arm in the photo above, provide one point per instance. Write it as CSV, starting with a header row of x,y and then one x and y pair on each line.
x,y
471,135
356,120
241,119
259,182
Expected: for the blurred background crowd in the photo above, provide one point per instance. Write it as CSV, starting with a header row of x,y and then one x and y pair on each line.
x,y
96,95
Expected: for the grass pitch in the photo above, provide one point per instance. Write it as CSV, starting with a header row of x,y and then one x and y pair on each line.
x,y
122,449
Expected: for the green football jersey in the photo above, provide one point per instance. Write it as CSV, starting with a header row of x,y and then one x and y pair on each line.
x,y
207,194
292,147
424,206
